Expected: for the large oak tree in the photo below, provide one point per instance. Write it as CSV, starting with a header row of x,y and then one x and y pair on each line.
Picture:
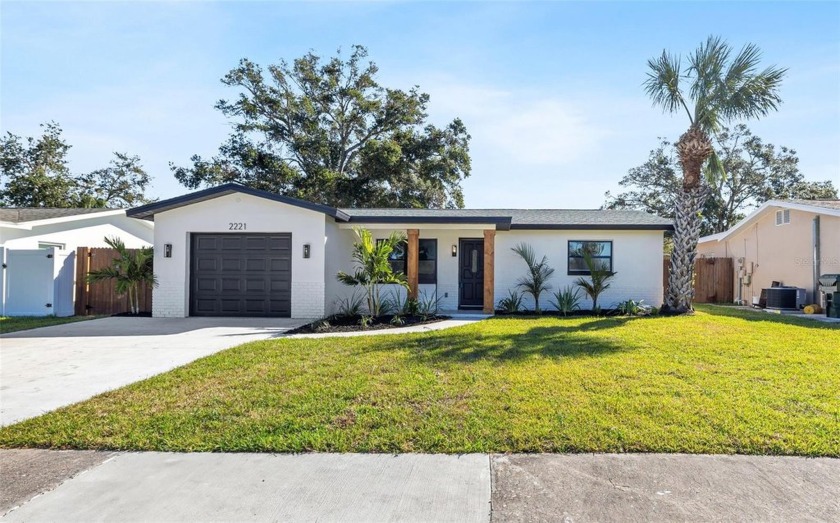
x,y
328,132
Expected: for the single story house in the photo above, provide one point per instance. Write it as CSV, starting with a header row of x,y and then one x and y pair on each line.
x,y
38,254
236,251
790,242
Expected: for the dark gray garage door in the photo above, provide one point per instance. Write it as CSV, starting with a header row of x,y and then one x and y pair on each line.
x,y
241,275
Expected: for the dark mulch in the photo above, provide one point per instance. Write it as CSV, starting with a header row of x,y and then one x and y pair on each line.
x,y
138,315
351,324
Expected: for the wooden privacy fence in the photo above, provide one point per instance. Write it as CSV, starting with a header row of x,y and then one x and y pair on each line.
x,y
714,279
101,297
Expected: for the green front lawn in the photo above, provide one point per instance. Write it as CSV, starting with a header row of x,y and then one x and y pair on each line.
x,y
20,323
722,381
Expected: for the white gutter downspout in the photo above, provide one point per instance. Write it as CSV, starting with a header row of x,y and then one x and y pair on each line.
x,y
816,230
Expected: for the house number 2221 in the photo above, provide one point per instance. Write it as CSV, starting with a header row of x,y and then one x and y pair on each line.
x,y
237,226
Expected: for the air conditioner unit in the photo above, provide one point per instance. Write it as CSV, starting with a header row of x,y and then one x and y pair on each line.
x,y
786,298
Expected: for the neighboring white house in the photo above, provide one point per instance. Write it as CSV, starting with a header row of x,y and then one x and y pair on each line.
x,y
236,251
38,247
790,242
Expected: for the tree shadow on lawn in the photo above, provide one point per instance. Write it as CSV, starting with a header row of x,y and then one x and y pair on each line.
x,y
554,341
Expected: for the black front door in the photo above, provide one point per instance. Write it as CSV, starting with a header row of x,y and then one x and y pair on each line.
x,y
471,274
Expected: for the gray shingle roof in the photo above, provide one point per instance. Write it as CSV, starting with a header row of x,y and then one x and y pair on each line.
x,y
828,204
522,218
503,219
30,214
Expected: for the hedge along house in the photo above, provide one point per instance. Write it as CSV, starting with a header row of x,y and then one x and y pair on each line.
x,y
236,251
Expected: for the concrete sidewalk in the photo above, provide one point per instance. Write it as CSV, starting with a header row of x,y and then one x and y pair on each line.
x,y
43,369
86,486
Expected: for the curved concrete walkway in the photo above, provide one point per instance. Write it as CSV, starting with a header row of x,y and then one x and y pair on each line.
x,y
427,327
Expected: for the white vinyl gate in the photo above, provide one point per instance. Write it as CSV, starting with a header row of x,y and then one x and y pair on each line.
x,y
37,282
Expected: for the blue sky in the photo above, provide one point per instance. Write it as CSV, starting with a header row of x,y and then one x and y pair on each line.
x,y
550,91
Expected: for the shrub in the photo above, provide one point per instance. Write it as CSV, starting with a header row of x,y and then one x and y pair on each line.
x,y
567,300
634,308
536,281
349,306
394,303
598,280
428,305
511,304
129,270
373,268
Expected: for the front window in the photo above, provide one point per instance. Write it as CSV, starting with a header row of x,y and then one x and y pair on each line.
x,y
427,268
427,260
600,251
399,258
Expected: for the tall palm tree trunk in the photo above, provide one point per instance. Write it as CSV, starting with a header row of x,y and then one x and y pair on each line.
x,y
686,233
694,148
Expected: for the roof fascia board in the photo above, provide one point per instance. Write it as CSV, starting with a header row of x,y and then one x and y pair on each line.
x,y
148,211
593,227
753,216
502,223
13,225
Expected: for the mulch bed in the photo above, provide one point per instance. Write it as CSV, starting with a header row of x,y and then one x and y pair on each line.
x,y
351,324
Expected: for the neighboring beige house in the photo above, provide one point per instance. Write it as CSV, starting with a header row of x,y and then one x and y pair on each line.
x,y
787,241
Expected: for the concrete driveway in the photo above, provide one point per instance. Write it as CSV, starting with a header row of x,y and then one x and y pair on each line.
x,y
43,369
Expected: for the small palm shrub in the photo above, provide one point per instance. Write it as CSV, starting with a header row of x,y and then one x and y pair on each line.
x,y
373,269
535,282
567,300
129,270
599,280
512,304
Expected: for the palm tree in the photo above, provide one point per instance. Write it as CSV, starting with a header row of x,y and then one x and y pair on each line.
x,y
715,88
373,268
536,281
130,269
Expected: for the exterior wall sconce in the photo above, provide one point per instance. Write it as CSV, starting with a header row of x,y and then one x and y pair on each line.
x,y
307,250
167,250
454,250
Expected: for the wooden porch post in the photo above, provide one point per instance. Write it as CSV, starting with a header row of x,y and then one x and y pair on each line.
x,y
413,262
489,270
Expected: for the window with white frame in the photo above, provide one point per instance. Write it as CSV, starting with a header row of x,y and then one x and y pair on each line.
x,y
782,216
49,245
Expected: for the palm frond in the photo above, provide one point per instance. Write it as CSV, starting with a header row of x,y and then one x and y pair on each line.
x,y
663,83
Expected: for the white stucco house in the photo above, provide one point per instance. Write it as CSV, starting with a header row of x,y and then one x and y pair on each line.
x,y
235,251
37,251
68,229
